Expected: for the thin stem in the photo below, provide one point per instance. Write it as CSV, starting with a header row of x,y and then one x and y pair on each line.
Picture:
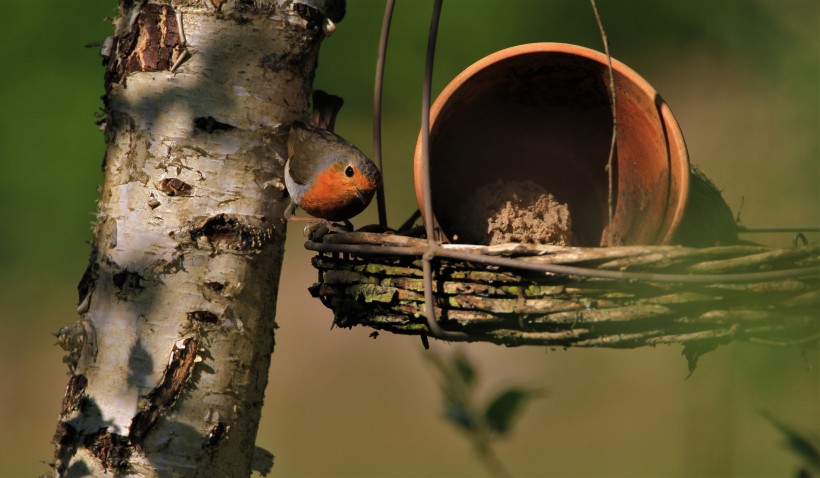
x,y
614,141
491,462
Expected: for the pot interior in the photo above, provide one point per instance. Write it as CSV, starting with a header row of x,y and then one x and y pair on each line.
x,y
545,116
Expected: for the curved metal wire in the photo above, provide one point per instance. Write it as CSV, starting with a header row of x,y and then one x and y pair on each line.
x,y
561,269
426,99
432,244
377,107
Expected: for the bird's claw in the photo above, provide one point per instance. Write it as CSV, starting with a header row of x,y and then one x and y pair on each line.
x,y
316,230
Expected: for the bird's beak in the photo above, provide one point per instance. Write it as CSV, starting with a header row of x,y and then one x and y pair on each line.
x,y
362,195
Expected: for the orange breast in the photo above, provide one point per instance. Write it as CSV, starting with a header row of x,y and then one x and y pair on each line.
x,y
331,197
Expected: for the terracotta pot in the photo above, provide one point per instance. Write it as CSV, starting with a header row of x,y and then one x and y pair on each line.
x,y
541,112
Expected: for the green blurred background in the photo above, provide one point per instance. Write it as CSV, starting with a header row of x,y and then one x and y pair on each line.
x,y
743,78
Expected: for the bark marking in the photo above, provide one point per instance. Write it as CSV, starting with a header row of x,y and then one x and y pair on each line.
x,y
73,395
217,433
153,44
87,283
126,281
166,393
111,449
203,316
210,124
225,231
175,187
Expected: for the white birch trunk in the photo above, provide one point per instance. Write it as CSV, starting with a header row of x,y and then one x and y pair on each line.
x,y
169,361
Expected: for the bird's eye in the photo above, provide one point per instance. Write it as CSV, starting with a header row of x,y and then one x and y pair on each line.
x,y
349,171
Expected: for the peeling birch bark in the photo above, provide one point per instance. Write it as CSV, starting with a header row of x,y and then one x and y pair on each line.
x,y
169,361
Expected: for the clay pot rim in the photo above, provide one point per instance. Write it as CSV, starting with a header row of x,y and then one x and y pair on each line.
x,y
679,172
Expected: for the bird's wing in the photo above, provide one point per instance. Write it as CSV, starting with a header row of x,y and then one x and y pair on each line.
x,y
312,149
298,163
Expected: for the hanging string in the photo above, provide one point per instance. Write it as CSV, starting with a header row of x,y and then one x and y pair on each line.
x,y
613,143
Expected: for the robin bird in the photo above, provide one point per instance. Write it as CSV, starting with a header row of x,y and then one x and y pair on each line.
x,y
326,176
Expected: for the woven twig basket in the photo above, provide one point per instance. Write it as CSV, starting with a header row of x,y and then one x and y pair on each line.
x,y
753,293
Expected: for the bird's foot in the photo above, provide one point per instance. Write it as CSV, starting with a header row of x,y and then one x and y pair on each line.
x,y
318,228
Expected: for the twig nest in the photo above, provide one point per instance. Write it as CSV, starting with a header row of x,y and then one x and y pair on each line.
x,y
367,280
515,211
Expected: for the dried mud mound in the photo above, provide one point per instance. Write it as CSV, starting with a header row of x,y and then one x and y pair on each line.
x,y
515,211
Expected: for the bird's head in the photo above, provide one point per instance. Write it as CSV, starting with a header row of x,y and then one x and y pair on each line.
x,y
361,177
343,190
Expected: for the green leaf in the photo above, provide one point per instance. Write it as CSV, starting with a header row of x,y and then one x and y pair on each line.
x,y
452,388
438,364
798,443
464,368
503,409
